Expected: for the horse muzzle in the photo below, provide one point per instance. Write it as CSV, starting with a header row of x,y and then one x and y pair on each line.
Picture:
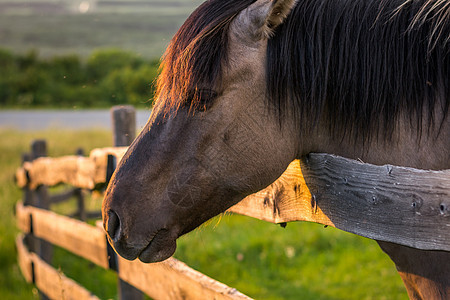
x,y
157,247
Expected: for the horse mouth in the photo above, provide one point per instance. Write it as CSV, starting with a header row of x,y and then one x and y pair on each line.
x,y
160,248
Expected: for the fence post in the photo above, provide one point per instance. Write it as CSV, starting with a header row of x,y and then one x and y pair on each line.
x,y
124,125
39,198
28,199
27,193
124,132
78,193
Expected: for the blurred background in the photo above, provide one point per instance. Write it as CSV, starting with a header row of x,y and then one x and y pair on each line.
x,y
83,54
63,64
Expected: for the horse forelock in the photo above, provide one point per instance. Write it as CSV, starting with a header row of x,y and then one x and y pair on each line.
x,y
360,64
195,56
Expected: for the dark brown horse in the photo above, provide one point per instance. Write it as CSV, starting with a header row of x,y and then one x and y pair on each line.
x,y
248,86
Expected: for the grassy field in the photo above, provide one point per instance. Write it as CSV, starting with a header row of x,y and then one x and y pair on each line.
x,y
264,261
56,28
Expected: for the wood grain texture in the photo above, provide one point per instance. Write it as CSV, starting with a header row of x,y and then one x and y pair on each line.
x,y
402,205
51,282
24,259
82,172
75,236
99,157
287,199
56,285
21,177
23,217
172,279
74,170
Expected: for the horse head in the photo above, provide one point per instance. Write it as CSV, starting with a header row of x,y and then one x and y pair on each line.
x,y
211,139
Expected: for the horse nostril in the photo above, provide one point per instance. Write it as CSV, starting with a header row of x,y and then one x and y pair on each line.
x,y
113,227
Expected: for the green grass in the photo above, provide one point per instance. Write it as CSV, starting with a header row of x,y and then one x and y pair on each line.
x,y
262,260
302,261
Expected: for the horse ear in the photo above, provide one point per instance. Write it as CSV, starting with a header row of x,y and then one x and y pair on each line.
x,y
279,12
262,17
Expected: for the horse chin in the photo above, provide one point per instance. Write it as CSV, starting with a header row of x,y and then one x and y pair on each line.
x,y
160,248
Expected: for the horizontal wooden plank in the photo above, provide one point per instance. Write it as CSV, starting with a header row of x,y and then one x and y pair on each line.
x,y
172,279
74,170
22,217
21,177
51,282
56,285
89,242
287,199
75,236
402,205
79,171
99,157
396,204
78,237
24,259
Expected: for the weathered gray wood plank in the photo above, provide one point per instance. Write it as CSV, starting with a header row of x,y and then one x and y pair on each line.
x,y
402,205
396,204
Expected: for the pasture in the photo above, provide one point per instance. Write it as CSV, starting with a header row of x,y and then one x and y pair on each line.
x,y
260,259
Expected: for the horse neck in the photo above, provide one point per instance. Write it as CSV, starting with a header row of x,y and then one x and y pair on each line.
x,y
427,148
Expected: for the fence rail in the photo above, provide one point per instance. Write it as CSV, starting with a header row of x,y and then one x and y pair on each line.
x,y
396,204
79,171
48,280
170,279
389,203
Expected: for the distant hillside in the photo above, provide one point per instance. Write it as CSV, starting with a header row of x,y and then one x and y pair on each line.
x,y
59,27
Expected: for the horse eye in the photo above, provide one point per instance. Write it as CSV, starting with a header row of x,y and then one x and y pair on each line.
x,y
201,100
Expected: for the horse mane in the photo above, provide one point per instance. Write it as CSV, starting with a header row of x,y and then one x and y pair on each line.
x,y
196,54
359,64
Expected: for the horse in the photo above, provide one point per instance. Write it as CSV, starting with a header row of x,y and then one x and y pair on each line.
x,y
247,86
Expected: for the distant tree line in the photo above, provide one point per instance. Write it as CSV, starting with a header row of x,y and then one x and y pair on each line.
x,y
106,78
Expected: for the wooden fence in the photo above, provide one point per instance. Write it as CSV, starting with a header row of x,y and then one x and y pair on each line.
x,y
170,279
402,205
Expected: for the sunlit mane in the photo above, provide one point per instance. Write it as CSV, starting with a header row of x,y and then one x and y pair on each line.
x,y
194,58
